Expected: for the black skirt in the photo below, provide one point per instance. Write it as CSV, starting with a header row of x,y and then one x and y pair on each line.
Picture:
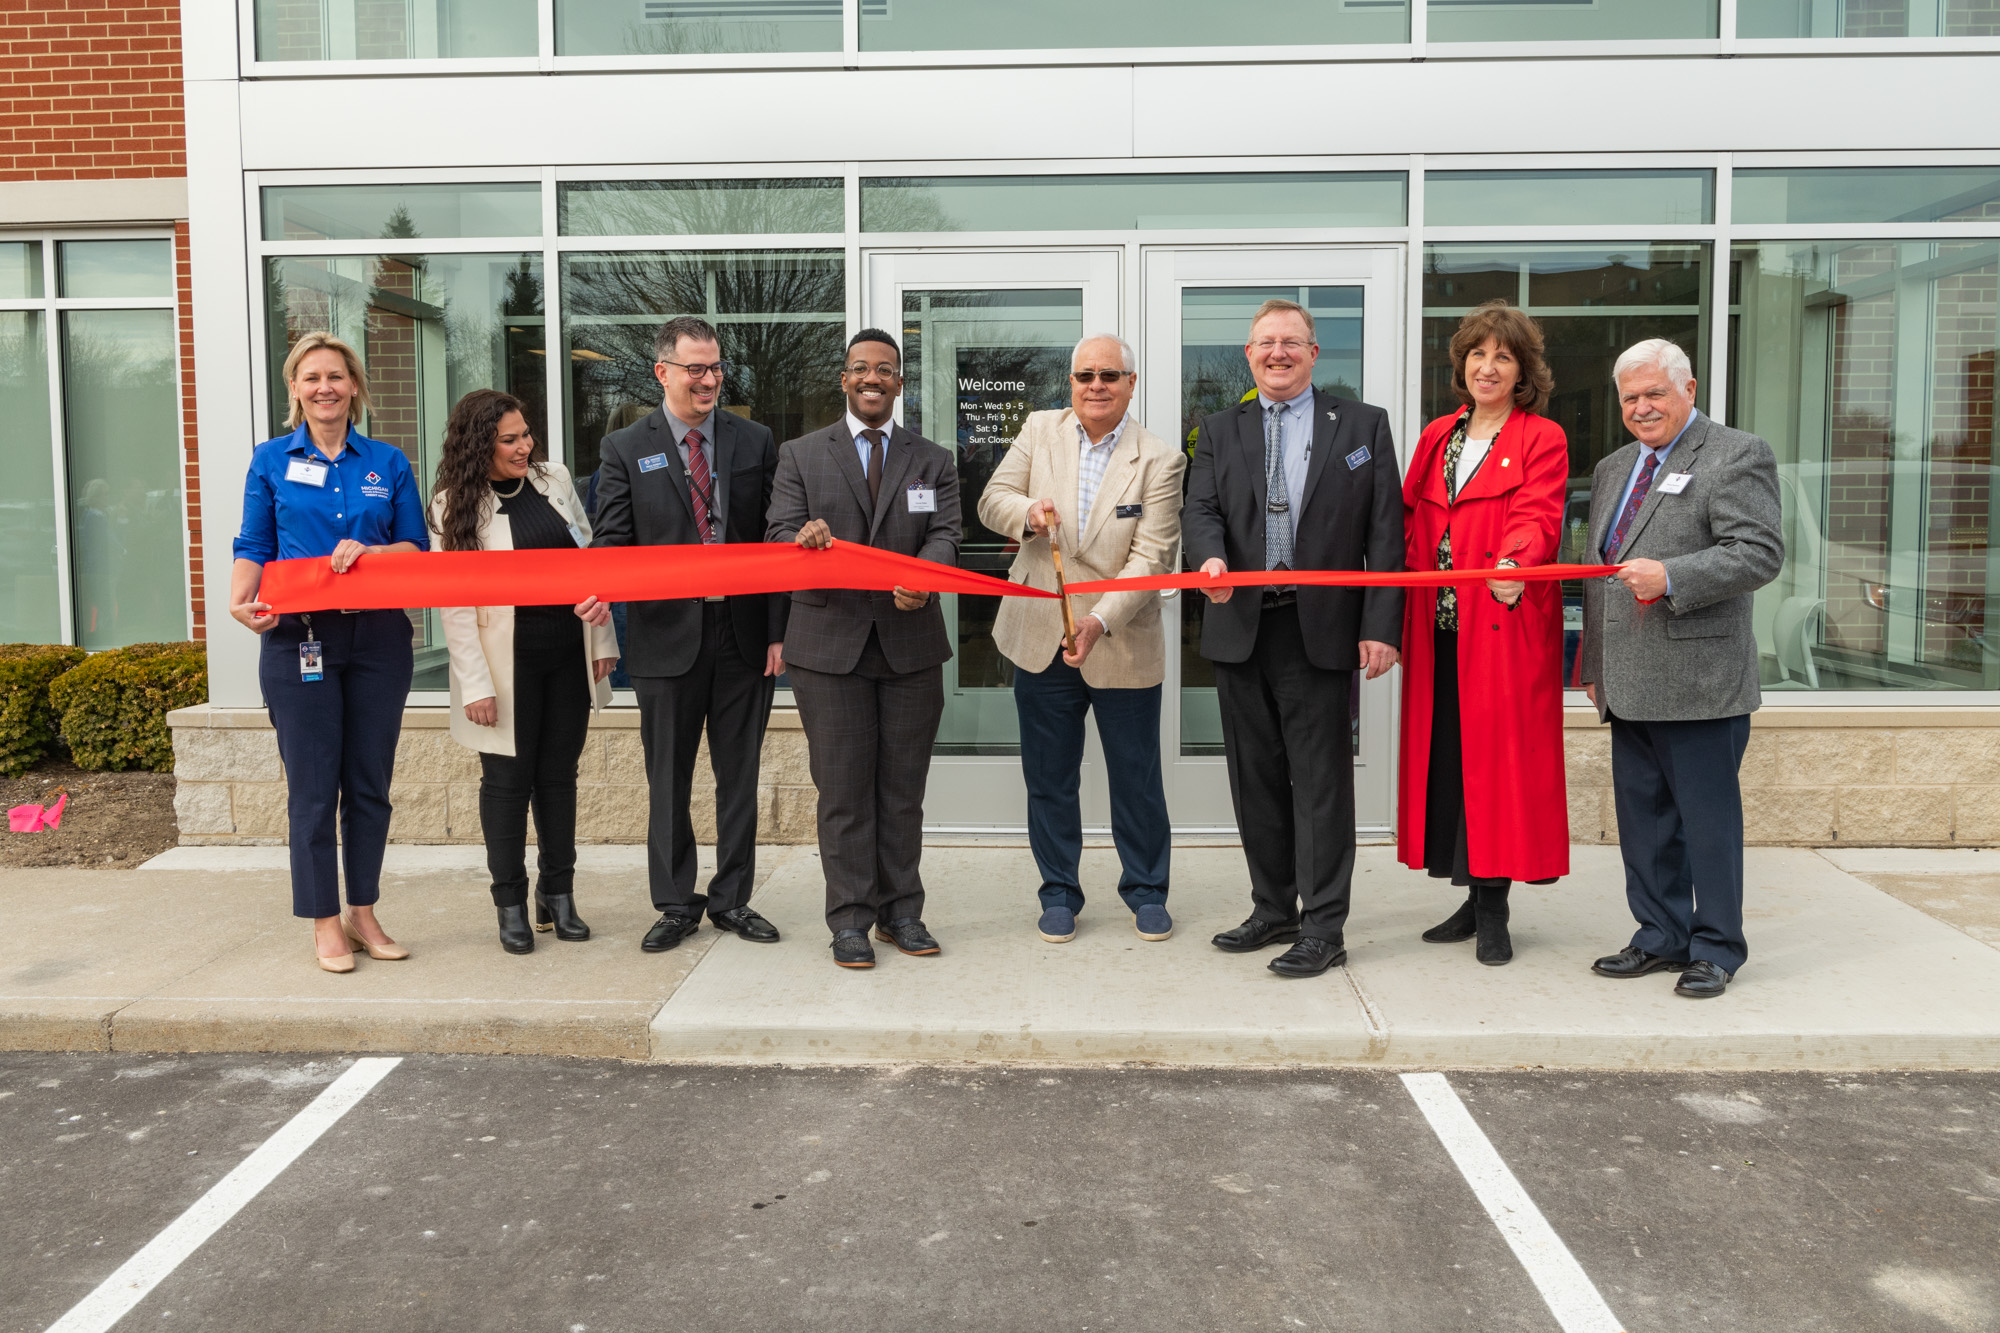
x,y
1445,855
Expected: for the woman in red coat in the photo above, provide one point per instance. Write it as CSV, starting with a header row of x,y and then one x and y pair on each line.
x,y
1481,797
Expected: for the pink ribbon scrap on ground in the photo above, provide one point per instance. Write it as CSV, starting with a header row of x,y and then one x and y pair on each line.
x,y
35,818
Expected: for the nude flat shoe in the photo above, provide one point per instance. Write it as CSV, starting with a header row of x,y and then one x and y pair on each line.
x,y
387,953
341,963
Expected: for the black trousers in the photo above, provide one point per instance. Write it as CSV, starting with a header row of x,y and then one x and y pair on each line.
x,y
1288,728
551,722
1445,854
732,699
1680,832
869,732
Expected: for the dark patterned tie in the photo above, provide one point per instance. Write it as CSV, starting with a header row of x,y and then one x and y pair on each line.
x,y
700,487
1632,506
876,451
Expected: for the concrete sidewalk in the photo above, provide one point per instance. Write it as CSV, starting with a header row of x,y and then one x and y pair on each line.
x,y
191,954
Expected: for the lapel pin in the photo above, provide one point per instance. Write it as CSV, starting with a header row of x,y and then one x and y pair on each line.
x,y
1333,416
1505,461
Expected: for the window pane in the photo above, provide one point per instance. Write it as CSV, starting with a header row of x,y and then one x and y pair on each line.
x,y
782,316
364,212
1866,18
1592,302
394,29
430,329
1569,20
1567,198
29,611
699,208
115,268
696,27
1054,203
951,25
121,423
20,269
1869,366
1867,194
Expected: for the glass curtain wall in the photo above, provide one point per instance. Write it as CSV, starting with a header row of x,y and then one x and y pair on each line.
x,y
949,25
700,27
394,29
28,558
1867,18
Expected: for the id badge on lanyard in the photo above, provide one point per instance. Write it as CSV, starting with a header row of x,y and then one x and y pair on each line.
x,y
309,655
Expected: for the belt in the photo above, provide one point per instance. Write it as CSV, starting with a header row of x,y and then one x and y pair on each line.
x,y
1277,599
715,599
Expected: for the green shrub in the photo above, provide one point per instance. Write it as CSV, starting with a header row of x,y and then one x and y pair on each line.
x,y
114,705
27,722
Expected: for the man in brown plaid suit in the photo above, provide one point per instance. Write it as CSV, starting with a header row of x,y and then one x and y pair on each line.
x,y
867,667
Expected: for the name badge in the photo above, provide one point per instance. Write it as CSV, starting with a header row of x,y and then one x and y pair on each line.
x,y
309,473
1358,457
309,660
1130,511
922,499
1675,482
652,462
576,535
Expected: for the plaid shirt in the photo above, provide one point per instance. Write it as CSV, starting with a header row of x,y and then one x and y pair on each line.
x,y
1090,465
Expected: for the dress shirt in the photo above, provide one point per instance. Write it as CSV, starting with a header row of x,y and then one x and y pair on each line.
x,y
718,494
1632,479
855,425
1091,460
1295,434
370,494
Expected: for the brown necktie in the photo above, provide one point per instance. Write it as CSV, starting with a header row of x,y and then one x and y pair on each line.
x,y
876,450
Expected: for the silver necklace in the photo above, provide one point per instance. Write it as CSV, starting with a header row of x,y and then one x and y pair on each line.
x,y
519,482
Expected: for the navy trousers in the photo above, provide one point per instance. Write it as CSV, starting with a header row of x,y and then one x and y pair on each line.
x,y
1680,831
337,738
1051,703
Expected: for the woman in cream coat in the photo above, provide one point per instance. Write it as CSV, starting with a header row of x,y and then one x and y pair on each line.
x,y
524,680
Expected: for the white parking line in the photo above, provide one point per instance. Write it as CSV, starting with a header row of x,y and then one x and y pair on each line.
x,y
1571,1296
117,1294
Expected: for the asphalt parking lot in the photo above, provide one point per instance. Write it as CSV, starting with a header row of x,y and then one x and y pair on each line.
x,y
574,1196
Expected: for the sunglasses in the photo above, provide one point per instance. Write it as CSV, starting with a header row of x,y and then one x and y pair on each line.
x,y
1108,376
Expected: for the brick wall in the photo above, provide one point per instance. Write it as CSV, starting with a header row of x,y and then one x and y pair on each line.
x,y
1875,18
92,90
1972,18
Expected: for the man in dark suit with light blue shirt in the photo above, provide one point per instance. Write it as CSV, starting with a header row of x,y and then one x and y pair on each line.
x,y
1690,513
695,473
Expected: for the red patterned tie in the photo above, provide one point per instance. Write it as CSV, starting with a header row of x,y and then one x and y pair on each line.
x,y
1639,489
700,487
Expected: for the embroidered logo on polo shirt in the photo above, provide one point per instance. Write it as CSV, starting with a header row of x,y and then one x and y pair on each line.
x,y
373,479
372,487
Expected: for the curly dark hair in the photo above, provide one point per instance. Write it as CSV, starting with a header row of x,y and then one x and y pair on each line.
x,y
466,464
1519,334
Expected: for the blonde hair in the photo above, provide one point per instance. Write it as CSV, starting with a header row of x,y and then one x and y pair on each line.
x,y
1278,305
321,341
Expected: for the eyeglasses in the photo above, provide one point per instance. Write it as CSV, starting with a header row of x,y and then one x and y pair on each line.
x,y
1293,346
1108,376
701,372
882,368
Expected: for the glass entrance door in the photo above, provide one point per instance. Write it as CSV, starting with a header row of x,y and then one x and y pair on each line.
x,y
986,339
1198,305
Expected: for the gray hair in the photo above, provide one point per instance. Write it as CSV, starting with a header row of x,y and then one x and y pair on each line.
x,y
1655,354
1124,349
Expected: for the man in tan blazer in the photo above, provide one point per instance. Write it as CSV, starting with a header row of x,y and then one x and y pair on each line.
x,y
1109,491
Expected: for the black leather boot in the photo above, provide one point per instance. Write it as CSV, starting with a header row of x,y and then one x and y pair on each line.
x,y
515,937
1489,910
1458,926
557,912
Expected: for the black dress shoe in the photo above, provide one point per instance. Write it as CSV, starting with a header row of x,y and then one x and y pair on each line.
x,y
1703,981
909,935
669,931
1253,935
1455,928
1308,958
1489,912
557,912
851,949
745,925
1632,961
515,937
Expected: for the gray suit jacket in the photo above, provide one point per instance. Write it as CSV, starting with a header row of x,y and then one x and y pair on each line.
x,y
820,476
1692,655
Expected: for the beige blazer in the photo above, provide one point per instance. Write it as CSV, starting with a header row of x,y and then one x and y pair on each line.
x,y
480,639
1144,472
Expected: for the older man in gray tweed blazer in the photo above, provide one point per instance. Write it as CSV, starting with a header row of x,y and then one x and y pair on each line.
x,y
866,667
1690,512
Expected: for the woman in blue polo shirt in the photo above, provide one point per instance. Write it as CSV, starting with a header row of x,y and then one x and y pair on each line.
x,y
334,681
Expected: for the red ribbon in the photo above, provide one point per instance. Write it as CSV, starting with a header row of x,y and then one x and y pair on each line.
x,y
661,573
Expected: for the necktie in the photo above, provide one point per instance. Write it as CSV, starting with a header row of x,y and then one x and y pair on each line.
x,y
1278,502
1639,489
700,486
876,451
